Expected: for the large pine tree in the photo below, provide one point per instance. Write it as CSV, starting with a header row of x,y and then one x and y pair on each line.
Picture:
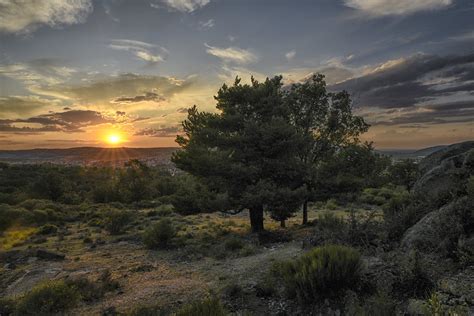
x,y
249,150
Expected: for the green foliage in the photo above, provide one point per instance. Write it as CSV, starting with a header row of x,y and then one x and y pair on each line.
x,y
404,172
160,234
52,297
148,311
331,204
414,280
47,229
322,272
233,244
247,153
400,213
91,291
117,220
207,307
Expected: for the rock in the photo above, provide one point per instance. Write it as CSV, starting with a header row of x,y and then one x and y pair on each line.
x,y
49,255
444,172
460,286
435,159
440,229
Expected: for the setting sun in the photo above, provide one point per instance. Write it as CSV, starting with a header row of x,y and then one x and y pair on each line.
x,y
114,139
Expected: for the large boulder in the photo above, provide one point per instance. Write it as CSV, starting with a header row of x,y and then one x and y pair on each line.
x,y
436,229
442,186
446,179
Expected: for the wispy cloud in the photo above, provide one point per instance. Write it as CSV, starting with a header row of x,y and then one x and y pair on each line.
x,y
18,16
183,5
396,7
232,54
145,51
290,55
207,24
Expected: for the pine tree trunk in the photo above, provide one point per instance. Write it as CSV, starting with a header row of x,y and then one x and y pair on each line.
x,y
282,223
305,212
256,219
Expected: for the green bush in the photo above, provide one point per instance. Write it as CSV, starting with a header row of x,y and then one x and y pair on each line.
x,y
160,234
117,220
207,307
148,311
91,291
233,244
322,272
47,229
331,204
52,297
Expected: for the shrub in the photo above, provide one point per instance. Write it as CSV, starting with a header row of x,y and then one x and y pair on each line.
x,y
208,307
160,234
91,291
380,304
233,244
117,220
7,306
52,297
331,204
414,279
148,311
322,272
47,229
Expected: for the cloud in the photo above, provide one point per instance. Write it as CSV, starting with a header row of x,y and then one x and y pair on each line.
x,y
71,121
185,5
396,7
141,50
421,89
110,88
18,16
160,132
21,105
408,81
148,96
38,71
207,24
290,55
232,54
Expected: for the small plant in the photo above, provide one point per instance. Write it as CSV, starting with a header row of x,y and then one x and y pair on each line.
x,y
52,297
47,229
331,204
160,234
148,311
322,272
208,307
233,244
117,220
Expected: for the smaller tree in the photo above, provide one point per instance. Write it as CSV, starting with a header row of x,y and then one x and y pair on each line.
x,y
404,172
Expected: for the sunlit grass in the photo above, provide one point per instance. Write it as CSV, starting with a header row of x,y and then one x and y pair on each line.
x,y
14,236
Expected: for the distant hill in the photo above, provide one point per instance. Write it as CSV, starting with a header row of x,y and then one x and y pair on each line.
x,y
412,153
89,155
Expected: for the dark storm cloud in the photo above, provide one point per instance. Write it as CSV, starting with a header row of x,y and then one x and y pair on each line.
x,y
406,82
148,96
70,121
159,132
453,112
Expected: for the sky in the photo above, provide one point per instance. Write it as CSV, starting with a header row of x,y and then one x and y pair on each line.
x,y
76,72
